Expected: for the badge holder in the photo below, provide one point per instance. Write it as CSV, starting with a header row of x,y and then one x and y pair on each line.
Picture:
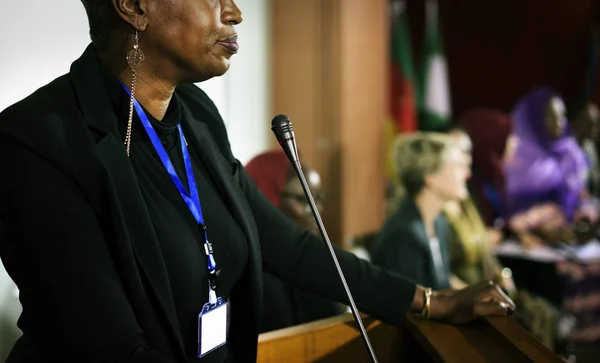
x,y
212,327
212,320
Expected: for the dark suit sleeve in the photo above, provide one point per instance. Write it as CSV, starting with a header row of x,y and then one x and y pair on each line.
x,y
397,249
302,259
53,247
299,257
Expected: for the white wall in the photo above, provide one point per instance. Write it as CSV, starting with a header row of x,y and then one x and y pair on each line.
x,y
242,94
37,50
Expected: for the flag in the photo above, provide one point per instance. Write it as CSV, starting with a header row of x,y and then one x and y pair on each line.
x,y
434,102
403,85
403,79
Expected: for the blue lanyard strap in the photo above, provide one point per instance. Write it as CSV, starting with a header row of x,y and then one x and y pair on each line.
x,y
191,197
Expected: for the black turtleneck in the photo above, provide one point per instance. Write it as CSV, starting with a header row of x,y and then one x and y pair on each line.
x,y
178,233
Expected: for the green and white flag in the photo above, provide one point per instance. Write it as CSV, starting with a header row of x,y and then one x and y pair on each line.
x,y
434,103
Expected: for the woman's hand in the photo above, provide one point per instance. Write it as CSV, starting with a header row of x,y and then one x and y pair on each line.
x,y
462,306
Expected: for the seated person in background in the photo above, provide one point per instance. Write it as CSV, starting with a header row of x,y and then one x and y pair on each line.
x,y
472,259
584,126
494,234
283,305
545,178
489,132
414,241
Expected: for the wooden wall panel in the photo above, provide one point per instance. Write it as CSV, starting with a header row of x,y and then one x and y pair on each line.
x,y
363,107
296,68
329,64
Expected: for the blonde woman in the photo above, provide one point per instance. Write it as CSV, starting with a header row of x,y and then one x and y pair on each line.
x,y
414,241
472,259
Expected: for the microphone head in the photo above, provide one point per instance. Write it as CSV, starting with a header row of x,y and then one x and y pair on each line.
x,y
279,119
282,128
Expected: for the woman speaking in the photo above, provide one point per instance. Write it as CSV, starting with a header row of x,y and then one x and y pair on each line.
x,y
133,233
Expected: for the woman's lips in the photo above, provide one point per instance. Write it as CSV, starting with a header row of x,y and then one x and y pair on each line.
x,y
230,44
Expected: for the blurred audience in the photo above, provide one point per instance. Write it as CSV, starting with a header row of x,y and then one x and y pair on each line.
x,y
285,306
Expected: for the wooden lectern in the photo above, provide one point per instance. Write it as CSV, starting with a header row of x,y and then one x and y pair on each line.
x,y
492,339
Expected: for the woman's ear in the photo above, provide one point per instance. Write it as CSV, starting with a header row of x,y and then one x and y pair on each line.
x,y
132,12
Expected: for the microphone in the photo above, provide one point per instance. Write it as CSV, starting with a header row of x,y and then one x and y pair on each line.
x,y
282,128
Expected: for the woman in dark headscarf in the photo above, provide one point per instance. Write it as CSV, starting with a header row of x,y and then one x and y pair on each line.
x,y
285,306
545,178
489,131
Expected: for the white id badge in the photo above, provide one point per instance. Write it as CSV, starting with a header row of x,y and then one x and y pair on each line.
x,y
212,327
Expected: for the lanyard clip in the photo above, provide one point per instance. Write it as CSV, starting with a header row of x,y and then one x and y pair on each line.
x,y
208,249
212,279
212,297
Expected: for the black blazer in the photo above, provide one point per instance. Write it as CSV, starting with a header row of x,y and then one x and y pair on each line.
x,y
402,246
77,239
286,306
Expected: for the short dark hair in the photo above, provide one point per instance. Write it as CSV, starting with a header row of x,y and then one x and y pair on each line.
x,y
101,17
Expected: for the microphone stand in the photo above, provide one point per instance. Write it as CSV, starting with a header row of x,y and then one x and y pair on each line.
x,y
315,212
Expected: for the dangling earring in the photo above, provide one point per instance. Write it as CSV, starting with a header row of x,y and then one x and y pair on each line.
x,y
135,57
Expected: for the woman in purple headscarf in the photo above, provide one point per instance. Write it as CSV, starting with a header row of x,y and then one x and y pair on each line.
x,y
546,175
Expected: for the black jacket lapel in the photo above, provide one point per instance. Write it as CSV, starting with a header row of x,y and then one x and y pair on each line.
x,y
97,111
139,227
219,170
418,227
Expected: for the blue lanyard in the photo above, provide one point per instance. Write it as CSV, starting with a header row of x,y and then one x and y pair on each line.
x,y
191,197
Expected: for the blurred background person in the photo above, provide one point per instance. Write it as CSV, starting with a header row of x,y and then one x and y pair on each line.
x,y
415,241
284,305
489,131
584,125
546,177
471,241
